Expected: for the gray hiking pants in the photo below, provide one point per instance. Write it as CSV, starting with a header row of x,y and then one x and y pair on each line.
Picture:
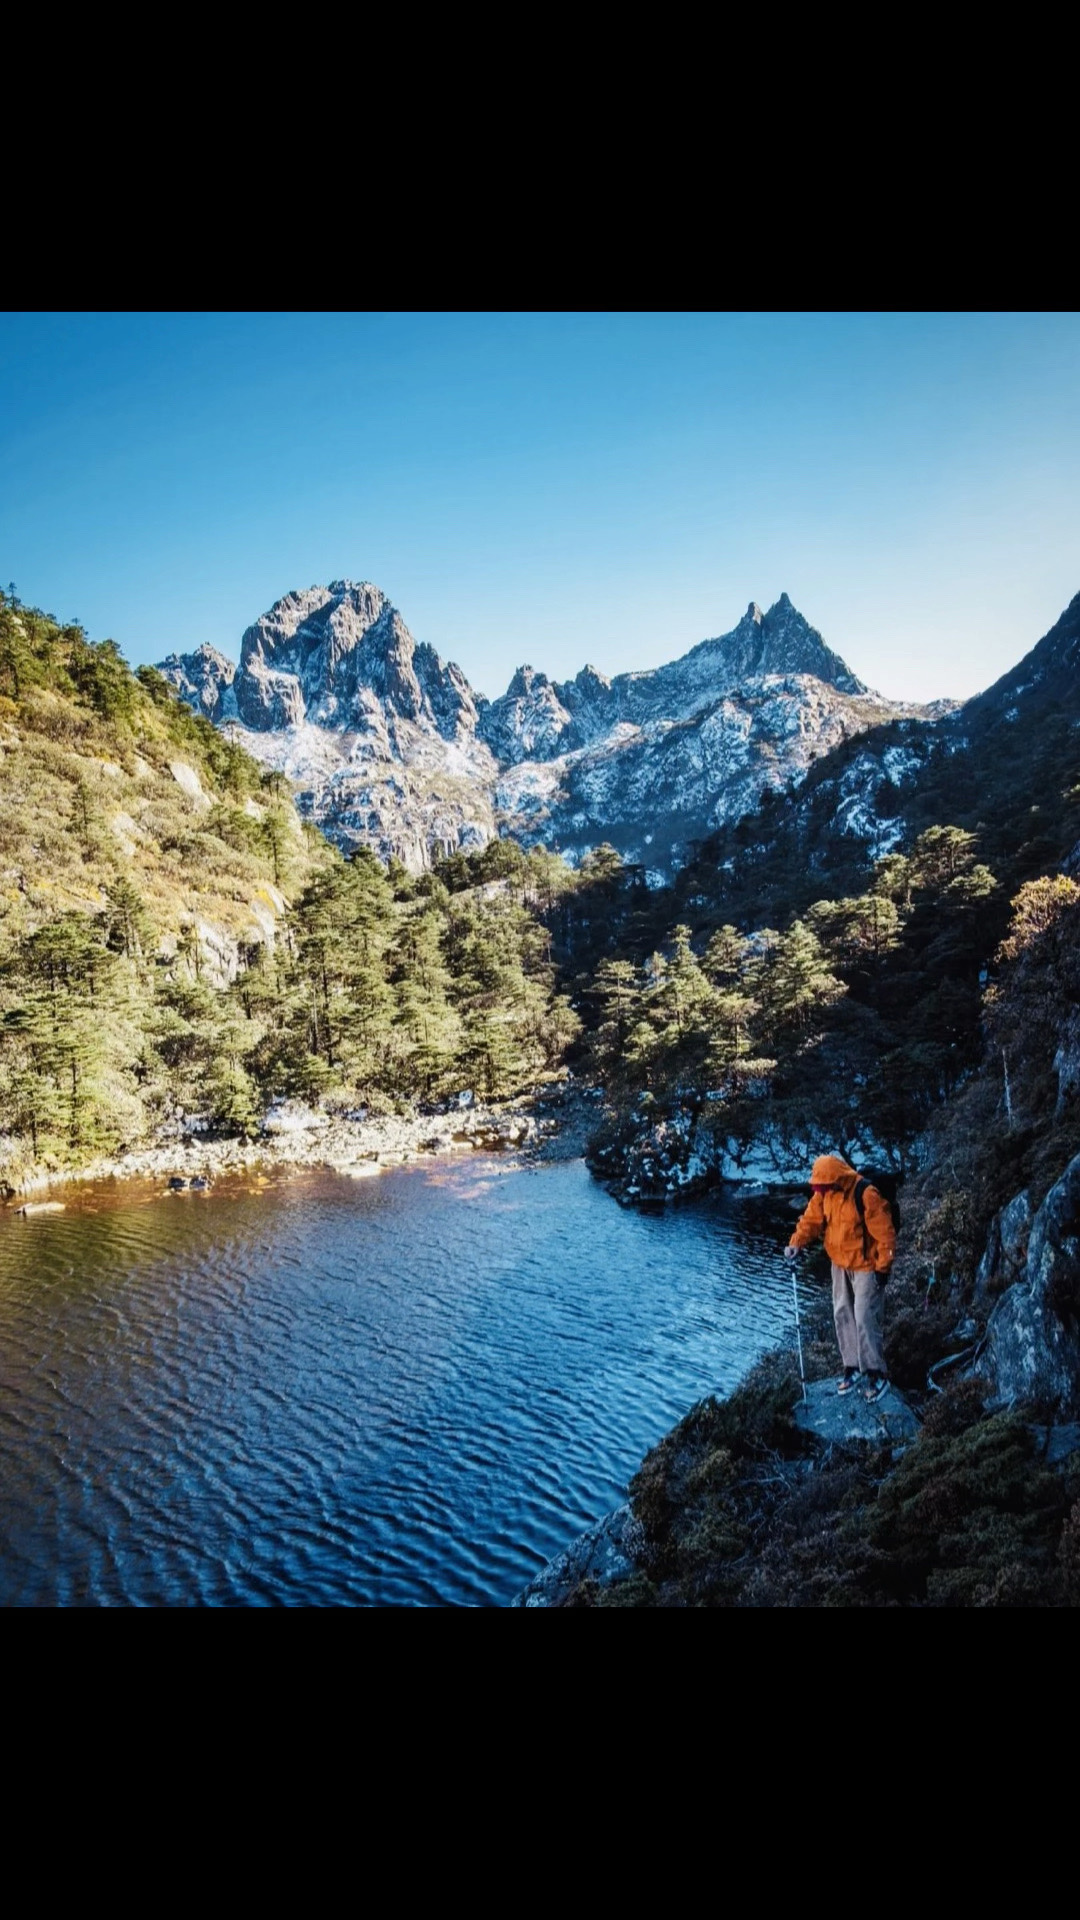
x,y
858,1305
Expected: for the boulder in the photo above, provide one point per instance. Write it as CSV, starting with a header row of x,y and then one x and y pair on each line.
x,y
605,1553
188,781
842,1418
1004,1259
292,1116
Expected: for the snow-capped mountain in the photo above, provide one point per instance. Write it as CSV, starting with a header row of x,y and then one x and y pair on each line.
x,y
378,734
1004,766
391,748
538,719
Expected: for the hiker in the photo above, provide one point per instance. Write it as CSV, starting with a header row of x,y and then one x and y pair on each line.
x,y
856,1224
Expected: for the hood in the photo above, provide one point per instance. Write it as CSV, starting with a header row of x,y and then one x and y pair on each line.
x,y
830,1171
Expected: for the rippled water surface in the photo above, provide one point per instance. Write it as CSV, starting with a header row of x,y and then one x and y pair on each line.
x,y
405,1391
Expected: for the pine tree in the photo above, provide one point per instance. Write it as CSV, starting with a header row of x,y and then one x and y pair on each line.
x,y
228,1091
616,991
128,926
277,838
429,1028
796,983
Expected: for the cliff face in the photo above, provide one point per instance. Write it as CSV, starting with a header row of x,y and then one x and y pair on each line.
x,y
390,747
378,734
341,657
1032,1350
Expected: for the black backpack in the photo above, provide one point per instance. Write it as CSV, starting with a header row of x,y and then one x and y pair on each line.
x,y
884,1183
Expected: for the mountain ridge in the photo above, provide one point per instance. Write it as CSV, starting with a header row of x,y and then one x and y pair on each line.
x,y
1004,765
392,748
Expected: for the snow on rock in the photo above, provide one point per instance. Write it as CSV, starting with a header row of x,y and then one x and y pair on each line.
x,y
529,721
900,763
203,679
857,808
389,747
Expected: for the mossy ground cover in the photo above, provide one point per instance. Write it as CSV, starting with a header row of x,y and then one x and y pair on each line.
x,y
738,1508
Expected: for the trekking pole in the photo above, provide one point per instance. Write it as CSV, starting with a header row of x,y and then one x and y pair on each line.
x,y
798,1329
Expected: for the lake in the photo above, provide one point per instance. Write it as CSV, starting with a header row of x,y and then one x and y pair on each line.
x,y
405,1391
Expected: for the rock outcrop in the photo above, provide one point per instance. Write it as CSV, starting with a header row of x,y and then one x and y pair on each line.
x,y
342,657
840,1420
204,679
1032,1346
1004,1258
603,1554
616,1549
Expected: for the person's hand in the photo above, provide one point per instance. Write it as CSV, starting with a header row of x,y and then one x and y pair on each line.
x,y
791,1253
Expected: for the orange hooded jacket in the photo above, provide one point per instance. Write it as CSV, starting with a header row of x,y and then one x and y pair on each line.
x,y
834,1217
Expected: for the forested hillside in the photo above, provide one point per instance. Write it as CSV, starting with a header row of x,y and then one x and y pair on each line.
x,y
851,1022
176,948
802,985
741,1506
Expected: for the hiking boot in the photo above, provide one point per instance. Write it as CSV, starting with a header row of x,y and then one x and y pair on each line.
x,y
876,1385
849,1382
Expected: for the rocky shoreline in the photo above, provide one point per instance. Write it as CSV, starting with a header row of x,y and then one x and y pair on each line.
x,y
551,1124
616,1549
646,1158
960,1487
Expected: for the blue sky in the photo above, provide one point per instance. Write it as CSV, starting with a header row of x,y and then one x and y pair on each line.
x,y
553,488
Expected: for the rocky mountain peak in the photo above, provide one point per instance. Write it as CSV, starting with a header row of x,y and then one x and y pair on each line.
x,y
523,682
779,641
528,722
342,657
395,751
